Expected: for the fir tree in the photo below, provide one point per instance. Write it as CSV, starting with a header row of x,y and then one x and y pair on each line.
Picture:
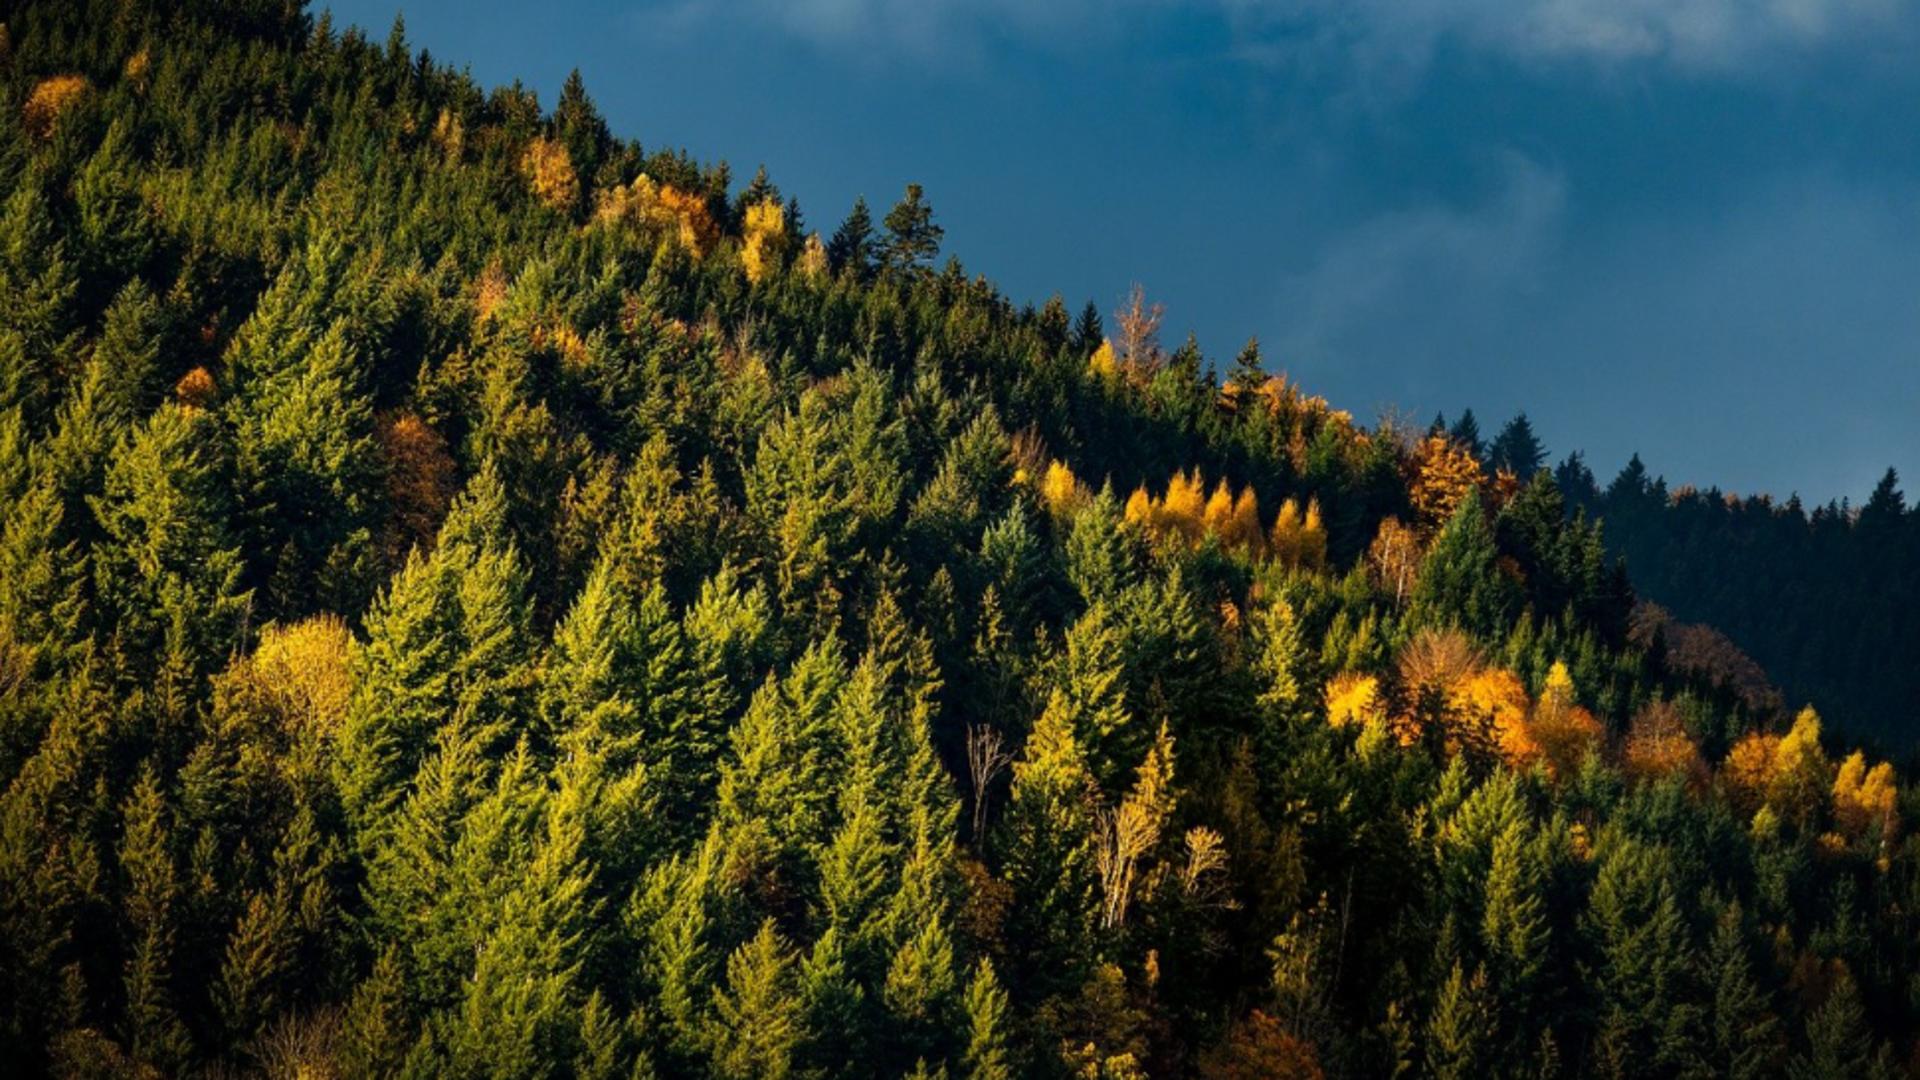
x,y
912,238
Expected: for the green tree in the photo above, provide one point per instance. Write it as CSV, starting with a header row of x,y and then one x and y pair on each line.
x,y
1746,1034
758,1018
1461,582
912,238
167,572
1516,449
852,249
1839,1043
988,1054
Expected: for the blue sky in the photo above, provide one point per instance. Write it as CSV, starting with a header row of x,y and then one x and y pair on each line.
x,y
1689,228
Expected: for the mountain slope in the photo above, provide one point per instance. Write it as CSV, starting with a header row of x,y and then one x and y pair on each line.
x,y
481,597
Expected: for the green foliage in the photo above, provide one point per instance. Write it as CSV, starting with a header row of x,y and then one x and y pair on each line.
x,y
453,622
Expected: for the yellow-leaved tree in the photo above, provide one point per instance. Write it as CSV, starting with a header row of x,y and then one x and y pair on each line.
x,y
549,172
1443,473
1565,732
1658,746
51,100
765,239
1062,492
1299,540
1865,798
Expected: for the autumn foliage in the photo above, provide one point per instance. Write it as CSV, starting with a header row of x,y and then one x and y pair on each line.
x,y
51,100
1441,474
661,212
764,241
549,172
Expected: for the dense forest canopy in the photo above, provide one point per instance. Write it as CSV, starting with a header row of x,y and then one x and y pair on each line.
x,y
481,597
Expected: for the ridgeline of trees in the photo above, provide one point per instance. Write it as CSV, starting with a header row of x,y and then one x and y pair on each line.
x,y
482,598
1827,600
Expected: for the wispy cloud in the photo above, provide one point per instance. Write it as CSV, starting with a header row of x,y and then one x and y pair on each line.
x,y
1698,36
1373,284
915,31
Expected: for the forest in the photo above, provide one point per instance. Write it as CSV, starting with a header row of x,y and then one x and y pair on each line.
x,y
482,597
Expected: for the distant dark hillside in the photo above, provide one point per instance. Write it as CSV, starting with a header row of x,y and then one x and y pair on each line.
x,y
1827,601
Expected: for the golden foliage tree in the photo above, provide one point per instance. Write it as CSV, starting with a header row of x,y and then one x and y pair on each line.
x,y
304,669
659,212
813,258
1299,540
1443,473
1565,731
1184,505
548,168
51,100
421,482
1353,699
1658,746
1062,491
1864,798
1393,559
765,239
1494,699
1788,775
197,388
1102,364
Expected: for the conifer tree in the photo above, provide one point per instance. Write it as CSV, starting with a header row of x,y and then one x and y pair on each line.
x,y
912,238
1746,1036
758,1021
1047,845
167,573
851,251
1517,450
1838,1041
156,1035
1460,581
988,1021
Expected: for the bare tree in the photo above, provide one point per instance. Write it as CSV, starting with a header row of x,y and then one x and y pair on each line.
x,y
987,757
1139,324
1123,835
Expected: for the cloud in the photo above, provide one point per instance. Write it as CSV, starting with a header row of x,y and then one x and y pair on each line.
x,y
1427,274
1768,344
1702,36
912,30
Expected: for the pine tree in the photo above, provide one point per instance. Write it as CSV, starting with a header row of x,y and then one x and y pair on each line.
x,y
1047,850
39,286
1466,432
912,238
1839,1043
1460,581
1249,371
1088,332
852,249
167,573
988,1054
1460,1032
758,1021
1517,450
156,1035
1746,1035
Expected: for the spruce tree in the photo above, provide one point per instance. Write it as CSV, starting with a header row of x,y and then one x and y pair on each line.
x,y
851,251
912,238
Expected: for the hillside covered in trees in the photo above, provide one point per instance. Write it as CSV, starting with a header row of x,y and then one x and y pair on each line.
x,y
1836,616
483,597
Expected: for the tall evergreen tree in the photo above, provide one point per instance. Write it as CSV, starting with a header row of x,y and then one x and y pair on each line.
x,y
912,238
